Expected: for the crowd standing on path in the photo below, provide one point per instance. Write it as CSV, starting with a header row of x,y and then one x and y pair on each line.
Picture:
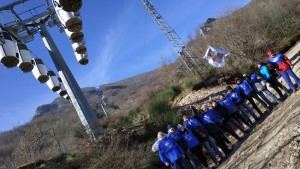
x,y
206,131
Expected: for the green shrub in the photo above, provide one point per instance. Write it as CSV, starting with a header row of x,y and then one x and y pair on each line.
x,y
160,108
168,93
112,126
189,84
123,121
133,112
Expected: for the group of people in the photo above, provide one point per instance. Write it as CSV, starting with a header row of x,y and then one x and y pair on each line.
x,y
228,113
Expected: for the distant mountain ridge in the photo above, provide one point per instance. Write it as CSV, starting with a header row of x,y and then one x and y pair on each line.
x,y
124,94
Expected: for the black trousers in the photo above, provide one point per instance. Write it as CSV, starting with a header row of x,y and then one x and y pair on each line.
x,y
239,117
229,128
217,134
235,124
255,96
199,153
275,84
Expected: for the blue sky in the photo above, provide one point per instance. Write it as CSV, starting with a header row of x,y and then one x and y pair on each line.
x,y
122,41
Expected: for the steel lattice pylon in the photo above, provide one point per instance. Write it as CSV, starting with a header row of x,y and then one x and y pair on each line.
x,y
191,62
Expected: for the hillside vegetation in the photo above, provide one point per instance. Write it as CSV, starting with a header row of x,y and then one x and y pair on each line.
x,y
57,140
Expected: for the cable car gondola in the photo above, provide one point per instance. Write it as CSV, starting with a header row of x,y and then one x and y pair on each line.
x,y
69,5
53,82
75,36
62,90
67,97
82,58
39,70
70,21
8,50
25,58
79,47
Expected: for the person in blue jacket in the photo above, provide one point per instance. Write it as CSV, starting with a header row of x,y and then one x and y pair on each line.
x,y
210,121
227,103
247,92
202,135
194,111
272,79
193,144
194,124
235,96
174,133
228,123
170,152
284,66
259,85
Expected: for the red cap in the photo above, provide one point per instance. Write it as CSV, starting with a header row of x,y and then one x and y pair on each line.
x,y
270,52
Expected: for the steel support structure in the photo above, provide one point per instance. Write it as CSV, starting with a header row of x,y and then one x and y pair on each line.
x,y
86,114
191,62
101,100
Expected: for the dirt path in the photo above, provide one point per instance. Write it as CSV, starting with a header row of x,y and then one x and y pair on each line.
x,y
275,142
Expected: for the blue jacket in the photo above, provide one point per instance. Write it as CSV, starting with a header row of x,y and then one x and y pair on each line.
x,y
235,96
210,117
192,122
228,104
276,60
169,151
222,112
253,78
245,88
189,139
175,135
265,72
281,62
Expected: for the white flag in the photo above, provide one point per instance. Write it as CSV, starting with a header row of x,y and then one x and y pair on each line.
x,y
215,56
